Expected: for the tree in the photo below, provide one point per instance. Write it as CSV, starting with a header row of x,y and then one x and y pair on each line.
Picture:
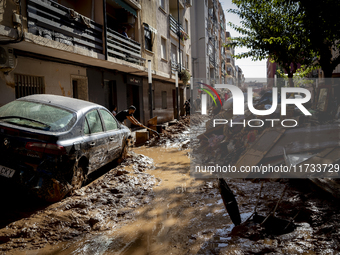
x,y
273,28
320,21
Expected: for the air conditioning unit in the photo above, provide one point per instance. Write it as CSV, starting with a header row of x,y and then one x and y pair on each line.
x,y
188,3
7,59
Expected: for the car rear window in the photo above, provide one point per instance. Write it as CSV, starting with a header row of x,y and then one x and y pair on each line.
x,y
37,115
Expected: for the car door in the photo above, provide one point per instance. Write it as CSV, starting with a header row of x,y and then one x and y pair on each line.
x,y
114,134
95,140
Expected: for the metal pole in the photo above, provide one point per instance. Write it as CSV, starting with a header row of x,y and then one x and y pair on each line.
x,y
192,90
105,30
177,103
192,95
179,39
150,89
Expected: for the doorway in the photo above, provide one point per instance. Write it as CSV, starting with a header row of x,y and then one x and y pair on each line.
x,y
133,99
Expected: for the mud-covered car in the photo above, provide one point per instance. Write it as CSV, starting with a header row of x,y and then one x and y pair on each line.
x,y
49,143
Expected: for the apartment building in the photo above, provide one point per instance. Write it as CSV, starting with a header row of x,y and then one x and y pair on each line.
x,y
239,79
230,62
93,50
169,51
212,61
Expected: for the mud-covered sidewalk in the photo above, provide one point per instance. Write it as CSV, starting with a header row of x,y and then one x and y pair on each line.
x,y
151,205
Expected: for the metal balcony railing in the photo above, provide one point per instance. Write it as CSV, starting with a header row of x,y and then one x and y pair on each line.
x,y
56,22
212,60
177,67
118,46
174,25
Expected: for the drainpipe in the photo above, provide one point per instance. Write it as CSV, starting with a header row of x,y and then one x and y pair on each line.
x,y
179,60
105,30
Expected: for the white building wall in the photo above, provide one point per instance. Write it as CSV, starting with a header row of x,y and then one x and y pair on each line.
x,y
57,77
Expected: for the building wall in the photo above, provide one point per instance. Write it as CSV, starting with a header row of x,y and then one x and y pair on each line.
x,y
199,41
6,12
148,16
163,64
99,81
163,115
57,77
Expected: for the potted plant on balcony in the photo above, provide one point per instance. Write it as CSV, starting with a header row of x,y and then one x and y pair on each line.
x,y
183,36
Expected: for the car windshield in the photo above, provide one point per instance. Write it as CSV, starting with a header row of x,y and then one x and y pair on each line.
x,y
37,115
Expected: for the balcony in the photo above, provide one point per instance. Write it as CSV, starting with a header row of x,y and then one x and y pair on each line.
x,y
118,46
59,23
230,61
177,67
212,60
174,25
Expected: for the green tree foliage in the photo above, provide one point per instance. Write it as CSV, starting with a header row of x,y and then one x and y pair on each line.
x,y
273,28
320,21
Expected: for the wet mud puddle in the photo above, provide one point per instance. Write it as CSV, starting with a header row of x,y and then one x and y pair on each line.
x,y
176,221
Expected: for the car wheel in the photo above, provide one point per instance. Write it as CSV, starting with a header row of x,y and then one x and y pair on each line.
x,y
77,178
124,153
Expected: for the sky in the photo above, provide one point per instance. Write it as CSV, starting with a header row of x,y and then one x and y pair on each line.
x,y
251,69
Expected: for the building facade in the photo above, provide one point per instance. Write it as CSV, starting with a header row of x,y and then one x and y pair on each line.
x,y
94,50
230,62
212,61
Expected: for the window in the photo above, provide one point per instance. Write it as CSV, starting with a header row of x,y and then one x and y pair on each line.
x,y
162,4
38,116
163,48
93,123
109,122
164,100
210,49
26,85
173,54
186,26
147,35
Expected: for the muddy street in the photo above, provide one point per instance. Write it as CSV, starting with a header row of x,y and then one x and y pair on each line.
x,y
150,205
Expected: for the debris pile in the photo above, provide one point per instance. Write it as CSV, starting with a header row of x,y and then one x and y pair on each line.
x,y
177,132
95,207
253,140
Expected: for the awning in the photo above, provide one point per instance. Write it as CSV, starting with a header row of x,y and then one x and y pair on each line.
x,y
127,7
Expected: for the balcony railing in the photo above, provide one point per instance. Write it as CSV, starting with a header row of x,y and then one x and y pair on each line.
x,y
59,23
118,46
212,60
177,67
174,25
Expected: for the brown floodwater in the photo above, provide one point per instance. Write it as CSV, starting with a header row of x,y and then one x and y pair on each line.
x,y
180,209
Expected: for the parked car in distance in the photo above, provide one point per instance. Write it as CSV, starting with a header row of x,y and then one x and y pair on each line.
x,y
51,143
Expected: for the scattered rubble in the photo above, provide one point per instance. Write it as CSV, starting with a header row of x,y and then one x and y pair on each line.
x,y
95,207
177,133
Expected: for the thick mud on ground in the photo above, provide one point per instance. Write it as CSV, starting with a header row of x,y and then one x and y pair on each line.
x,y
97,207
151,205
